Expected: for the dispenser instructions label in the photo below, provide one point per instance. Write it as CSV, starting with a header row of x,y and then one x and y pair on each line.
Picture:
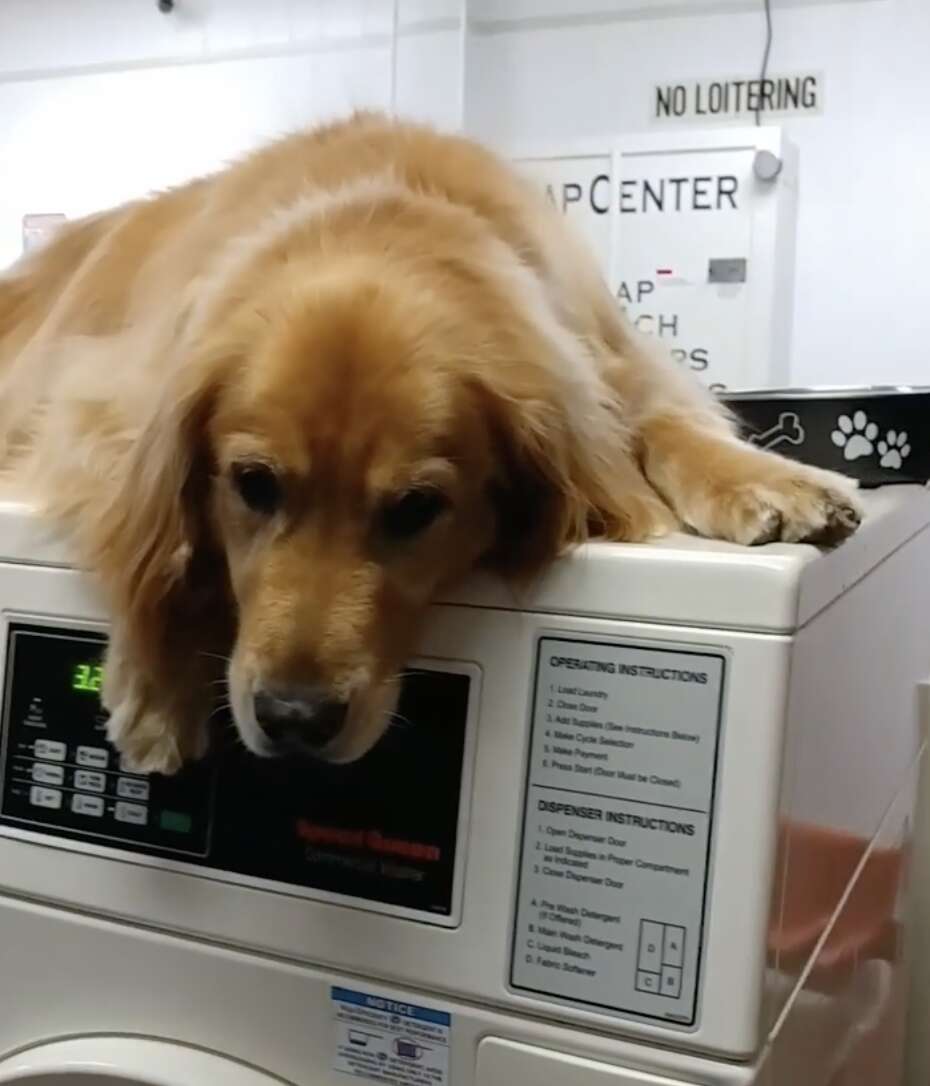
x,y
617,826
387,1040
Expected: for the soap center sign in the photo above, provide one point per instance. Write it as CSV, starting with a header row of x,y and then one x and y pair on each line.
x,y
673,233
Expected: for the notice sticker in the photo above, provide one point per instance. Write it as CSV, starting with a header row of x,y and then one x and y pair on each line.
x,y
387,1040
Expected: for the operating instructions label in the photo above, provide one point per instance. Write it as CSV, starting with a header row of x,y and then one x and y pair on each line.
x,y
617,826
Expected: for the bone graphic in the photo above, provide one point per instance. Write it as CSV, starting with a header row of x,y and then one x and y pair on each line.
x,y
789,430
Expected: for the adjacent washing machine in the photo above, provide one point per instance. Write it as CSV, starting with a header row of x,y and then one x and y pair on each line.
x,y
645,823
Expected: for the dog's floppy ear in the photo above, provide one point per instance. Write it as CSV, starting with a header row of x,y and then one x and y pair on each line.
x,y
552,486
151,524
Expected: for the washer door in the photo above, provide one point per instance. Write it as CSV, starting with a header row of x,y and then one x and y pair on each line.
x,y
125,1061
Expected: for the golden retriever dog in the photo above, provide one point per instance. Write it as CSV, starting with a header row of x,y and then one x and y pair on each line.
x,y
275,410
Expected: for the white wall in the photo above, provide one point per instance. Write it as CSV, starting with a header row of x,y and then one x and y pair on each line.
x,y
101,100
104,100
861,313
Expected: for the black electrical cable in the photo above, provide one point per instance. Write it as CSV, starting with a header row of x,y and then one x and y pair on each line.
x,y
767,5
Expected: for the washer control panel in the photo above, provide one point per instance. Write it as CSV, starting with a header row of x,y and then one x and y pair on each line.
x,y
60,772
385,829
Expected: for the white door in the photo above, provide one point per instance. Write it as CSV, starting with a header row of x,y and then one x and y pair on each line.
x,y
125,1061
683,253
697,248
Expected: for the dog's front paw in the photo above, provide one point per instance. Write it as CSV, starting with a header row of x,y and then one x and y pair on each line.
x,y
150,740
144,739
800,506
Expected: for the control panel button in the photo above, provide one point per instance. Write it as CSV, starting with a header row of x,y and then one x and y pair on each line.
x,y
45,797
87,781
50,750
87,805
48,774
132,788
176,821
95,757
134,813
125,766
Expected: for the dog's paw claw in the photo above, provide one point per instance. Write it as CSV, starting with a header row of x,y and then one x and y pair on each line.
x,y
800,509
840,521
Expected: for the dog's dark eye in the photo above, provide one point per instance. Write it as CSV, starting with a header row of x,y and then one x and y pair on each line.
x,y
258,486
412,513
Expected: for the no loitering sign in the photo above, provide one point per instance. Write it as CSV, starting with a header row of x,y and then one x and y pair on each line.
x,y
737,99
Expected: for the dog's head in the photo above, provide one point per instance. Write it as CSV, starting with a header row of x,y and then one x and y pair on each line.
x,y
344,450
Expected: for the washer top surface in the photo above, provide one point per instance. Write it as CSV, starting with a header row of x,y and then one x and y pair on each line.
x,y
682,580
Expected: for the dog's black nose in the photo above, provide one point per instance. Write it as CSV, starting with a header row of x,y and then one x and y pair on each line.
x,y
304,718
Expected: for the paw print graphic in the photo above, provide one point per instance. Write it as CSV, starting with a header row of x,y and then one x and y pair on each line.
x,y
855,436
894,450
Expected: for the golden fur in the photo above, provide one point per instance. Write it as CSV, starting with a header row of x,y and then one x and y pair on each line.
x,y
347,316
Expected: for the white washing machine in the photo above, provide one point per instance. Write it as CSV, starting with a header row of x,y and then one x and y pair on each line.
x,y
646,824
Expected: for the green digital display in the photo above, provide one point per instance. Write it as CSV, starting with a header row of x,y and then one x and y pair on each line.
x,y
87,678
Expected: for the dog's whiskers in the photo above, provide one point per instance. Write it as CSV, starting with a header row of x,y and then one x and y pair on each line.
x,y
399,722
216,656
221,707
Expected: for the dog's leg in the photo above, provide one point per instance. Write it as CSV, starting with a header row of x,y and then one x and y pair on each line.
x,y
634,513
688,450
159,699
727,489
